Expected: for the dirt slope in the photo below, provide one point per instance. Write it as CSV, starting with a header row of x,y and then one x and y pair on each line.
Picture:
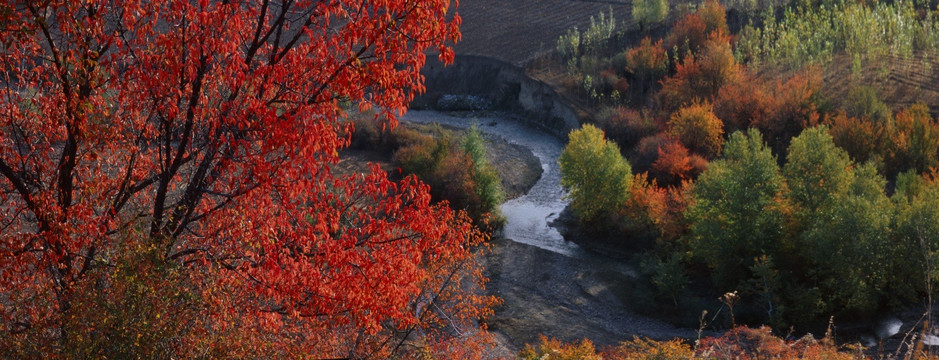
x,y
517,31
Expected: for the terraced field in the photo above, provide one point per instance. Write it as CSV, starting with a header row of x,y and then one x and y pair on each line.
x,y
517,31
900,81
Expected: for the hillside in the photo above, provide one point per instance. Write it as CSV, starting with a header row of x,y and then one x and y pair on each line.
x,y
518,31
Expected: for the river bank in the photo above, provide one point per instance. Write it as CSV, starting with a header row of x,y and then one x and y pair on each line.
x,y
551,286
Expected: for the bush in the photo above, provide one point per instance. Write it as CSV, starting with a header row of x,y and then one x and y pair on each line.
x,y
793,108
647,63
488,187
714,16
625,126
700,78
553,349
456,170
688,34
646,151
743,102
646,349
595,175
914,141
863,139
649,12
697,128
675,164
863,102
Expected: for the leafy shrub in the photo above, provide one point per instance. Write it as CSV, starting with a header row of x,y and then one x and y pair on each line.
x,y
913,141
646,349
743,102
737,343
760,343
698,129
647,63
863,139
687,35
700,78
649,12
863,102
488,187
675,164
421,154
667,277
553,349
794,108
595,175
645,211
625,126
714,16
456,170
646,151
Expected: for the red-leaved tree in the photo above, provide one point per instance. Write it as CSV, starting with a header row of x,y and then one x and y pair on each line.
x,y
195,139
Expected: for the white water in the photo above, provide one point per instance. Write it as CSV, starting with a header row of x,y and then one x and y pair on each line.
x,y
528,217
888,327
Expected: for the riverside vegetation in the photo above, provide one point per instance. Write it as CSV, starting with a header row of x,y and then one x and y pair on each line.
x,y
742,177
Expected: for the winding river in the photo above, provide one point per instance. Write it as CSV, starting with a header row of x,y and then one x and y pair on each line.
x,y
528,217
551,286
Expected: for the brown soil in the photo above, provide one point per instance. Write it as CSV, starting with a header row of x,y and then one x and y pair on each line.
x,y
517,31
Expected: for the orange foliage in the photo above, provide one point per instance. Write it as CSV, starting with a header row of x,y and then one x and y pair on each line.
x,y
661,208
714,16
553,349
793,108
863,139
688,34
742,102
698,129
675,164
646,62
748,343
646,349
739,343
914,140
700,78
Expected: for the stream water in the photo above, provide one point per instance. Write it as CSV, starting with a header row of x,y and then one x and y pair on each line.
x,y
528,217
549,285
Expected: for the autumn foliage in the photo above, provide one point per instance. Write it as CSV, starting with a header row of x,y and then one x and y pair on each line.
x,y
198,135
698,129
736,343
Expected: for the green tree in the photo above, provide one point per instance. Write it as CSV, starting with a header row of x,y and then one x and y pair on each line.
x,y
594,173
488,183
816,170
735,217
916,236
847,244
649,12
